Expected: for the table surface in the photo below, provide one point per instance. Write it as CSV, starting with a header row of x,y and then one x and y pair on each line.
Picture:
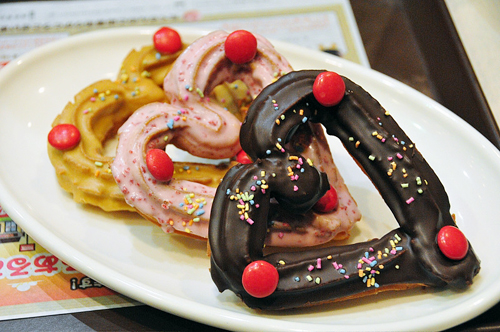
x,y
402,46
478,26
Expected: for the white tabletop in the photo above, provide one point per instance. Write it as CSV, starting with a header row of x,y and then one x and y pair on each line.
x,y
478,25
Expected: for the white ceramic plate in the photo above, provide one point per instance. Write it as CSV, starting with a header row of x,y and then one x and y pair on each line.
x,y
135,258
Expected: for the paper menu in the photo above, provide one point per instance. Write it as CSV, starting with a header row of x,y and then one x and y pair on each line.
x,y
317,24
34,282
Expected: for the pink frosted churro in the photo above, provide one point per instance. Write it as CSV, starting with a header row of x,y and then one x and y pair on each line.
x,y
177,205
193,122
198,124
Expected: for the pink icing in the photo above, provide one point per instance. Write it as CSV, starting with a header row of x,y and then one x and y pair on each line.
x,y
195,123
203,66
154,126
199,125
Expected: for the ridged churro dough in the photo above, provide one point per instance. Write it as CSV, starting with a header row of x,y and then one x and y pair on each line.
x,y
207,95
98,111
194,121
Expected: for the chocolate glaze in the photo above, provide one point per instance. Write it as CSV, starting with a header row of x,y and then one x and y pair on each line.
x,y
408,255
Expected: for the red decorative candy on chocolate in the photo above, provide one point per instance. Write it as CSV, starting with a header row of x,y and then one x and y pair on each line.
x,y
64,136
243,158
329,88
167,41
240,46
328,202
159,164
260,279
452,242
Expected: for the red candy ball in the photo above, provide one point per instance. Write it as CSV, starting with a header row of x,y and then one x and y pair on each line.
x,y
64,136
160,165
260,279
328,202
240,46
329,88
243,158
452,242
167,41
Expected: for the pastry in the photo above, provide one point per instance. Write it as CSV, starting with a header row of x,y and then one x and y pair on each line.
x,y
178,203
195,119
97,112
196,122
426,250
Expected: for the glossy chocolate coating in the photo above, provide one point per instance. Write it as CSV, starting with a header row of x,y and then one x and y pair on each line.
x,y
408,255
